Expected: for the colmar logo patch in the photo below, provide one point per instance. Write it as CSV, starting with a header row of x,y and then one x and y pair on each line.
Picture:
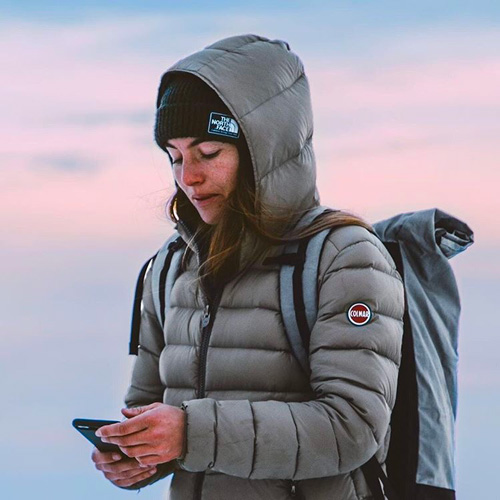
x,y
220,124
359,314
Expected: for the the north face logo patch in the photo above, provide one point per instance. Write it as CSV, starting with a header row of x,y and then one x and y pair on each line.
x,y
220,124
359,314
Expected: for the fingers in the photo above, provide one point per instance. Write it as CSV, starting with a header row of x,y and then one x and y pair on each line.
x,y
130,474
142,454
137,421
125,465
105,457
155,435
133,412
127,473
124,482
134,439
120,470
150,460
122,428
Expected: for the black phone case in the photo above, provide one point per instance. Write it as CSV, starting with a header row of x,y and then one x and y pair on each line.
x,y
87,428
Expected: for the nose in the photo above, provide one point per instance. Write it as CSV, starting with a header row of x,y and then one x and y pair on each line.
x,y
191,173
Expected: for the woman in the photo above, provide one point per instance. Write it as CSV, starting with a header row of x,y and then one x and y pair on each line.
x,y
217,395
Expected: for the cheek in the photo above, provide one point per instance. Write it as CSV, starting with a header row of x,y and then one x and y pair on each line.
x,y
233,180
229,175
226,182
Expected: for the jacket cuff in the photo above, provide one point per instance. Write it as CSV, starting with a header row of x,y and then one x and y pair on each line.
x,y
200,435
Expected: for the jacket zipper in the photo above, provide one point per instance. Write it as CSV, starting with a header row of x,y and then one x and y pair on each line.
x,y
207,322
293,490
206,330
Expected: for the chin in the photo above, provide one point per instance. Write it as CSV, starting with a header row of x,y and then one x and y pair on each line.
x,y
210,219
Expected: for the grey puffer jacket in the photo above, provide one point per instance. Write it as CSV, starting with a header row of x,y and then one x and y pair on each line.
x,y
257,426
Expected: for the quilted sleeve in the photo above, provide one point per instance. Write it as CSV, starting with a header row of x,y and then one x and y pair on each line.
x,y
354,371
146,387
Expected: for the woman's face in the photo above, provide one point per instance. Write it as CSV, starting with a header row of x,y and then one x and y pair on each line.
x,y
206,171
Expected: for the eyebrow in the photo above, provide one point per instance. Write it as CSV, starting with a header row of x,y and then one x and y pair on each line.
x,y
194,142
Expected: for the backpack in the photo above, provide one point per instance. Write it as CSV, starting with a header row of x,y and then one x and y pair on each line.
x,y
420,460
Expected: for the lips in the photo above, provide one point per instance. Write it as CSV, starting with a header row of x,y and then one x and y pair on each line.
x,y
201,200
203,197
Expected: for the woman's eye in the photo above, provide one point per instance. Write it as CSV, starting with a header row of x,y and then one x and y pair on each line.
x,y
177,161
208,156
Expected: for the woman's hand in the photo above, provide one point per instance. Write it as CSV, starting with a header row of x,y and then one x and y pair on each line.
x,y
121,471
152,435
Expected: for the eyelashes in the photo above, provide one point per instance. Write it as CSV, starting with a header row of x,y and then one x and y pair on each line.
x,y
209,156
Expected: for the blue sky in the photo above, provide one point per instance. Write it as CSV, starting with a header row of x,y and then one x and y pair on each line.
x,y
406,96
423,11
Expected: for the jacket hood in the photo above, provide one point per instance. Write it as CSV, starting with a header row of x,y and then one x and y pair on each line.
x,y
263,84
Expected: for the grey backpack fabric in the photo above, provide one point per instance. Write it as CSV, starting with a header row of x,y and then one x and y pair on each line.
x,y
425,241
421,243
421,456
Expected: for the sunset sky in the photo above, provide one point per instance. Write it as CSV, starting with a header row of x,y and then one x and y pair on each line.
x,y
406,101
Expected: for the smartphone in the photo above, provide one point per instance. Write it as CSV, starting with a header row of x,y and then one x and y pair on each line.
x,y
87,428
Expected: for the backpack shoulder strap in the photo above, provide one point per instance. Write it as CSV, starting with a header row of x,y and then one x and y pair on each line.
x,y
165,267
298,287
165,270
299,293
136,308
374,474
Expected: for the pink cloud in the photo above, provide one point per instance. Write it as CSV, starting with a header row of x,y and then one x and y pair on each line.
x,y
55,71
443,83
387,139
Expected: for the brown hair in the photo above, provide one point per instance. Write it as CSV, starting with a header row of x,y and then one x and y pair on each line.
x,y
245,214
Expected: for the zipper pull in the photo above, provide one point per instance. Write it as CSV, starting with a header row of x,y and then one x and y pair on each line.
x,y
206,316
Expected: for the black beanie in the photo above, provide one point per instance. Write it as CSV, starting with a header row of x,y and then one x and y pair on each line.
x,y
190,108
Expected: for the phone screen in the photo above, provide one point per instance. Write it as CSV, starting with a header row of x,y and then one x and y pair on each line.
x,y
87,428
